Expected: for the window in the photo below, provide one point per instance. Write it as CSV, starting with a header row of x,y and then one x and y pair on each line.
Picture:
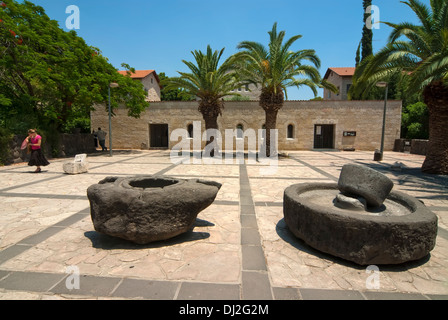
x,y
290,133
263,133
247,88
190,130
348,87
239,132
152,80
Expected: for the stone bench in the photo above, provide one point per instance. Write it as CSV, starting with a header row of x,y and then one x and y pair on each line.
x,y
78,165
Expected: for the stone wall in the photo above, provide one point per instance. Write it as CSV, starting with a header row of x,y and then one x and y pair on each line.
x,y
419,146
152,86
68,145
340,82
16,155
362,117
414,146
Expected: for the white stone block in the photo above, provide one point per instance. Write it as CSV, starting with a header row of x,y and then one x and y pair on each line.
x,y
76,166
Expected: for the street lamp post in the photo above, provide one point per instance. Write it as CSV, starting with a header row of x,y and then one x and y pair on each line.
x,y
383,85
111,85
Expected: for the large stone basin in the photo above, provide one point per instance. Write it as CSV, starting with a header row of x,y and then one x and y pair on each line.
x,y
148,208
400,230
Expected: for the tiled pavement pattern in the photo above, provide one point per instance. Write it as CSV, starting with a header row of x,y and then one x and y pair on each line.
x,y
239,249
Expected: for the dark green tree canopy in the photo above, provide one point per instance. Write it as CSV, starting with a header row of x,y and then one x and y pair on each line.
x,y
53,75
208,80
418,54
367,33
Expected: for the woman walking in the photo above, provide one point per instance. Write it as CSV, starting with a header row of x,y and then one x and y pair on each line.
x,y
37,158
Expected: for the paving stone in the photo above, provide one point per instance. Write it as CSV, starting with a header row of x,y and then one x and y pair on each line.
x,y
286,293
437,297
31,281
208,291
221,259
89,286
153,290
370,295
256,286
41,236
322,294
250,236
12,251
248,221
253,258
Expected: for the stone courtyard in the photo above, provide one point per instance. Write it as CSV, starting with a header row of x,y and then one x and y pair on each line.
x,y
239,249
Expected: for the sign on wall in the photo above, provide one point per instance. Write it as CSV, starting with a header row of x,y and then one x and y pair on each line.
x,y
349,133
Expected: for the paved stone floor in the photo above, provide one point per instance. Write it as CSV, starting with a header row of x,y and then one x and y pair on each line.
x,y
239,249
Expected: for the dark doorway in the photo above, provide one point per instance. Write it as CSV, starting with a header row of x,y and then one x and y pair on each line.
x,y
324,136
158,135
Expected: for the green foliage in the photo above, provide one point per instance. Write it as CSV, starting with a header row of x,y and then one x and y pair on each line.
x,y
419,59
51,75
367,33
173,94
415,121
358,55
237,98
207,80
5,138
275,67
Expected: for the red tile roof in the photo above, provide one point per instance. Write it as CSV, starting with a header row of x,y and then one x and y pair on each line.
x,y
343,72
140,74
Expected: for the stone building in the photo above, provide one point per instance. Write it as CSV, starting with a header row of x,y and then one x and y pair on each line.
x,y
150,81
342,79
248,92
302,125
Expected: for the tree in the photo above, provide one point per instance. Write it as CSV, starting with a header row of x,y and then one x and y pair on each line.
x,y
50,76
367,33
173,94
358,55
415,121
422,58
276,68
209,82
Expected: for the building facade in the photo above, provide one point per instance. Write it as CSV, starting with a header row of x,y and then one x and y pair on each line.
x,y
302,125
150,81
248,92
342,79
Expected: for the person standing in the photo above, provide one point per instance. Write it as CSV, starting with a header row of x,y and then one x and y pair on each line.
x,y
37,157
101,135
95,139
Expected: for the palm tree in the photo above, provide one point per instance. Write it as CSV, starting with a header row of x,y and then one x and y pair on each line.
x,y
276,68
208,82
423,58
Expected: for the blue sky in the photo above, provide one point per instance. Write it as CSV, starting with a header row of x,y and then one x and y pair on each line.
x,y
149,34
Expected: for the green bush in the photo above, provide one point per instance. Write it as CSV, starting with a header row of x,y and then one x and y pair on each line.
x,y
5,139
415,121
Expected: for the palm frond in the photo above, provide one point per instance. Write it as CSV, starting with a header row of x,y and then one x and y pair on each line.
x,y
422,54
277,67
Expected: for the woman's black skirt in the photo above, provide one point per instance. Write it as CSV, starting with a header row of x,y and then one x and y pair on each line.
x,y
37,158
